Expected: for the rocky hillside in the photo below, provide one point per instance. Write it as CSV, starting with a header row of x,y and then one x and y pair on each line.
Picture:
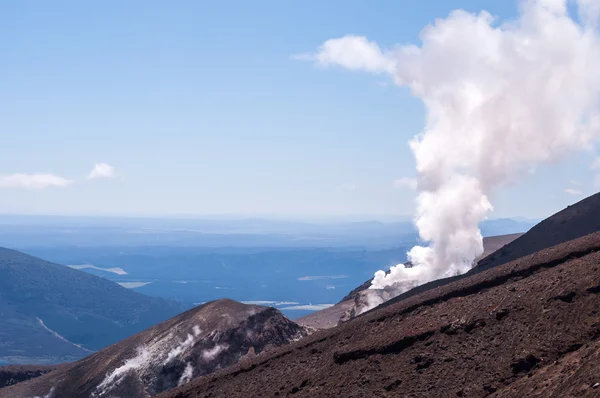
x,y
350,305
575,221
13,374
526,328
210,337
52,313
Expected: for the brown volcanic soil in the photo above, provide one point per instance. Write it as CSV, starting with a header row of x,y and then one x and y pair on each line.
x,y
526,328
569,376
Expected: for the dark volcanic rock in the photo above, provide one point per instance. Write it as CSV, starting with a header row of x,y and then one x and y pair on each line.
x,y
495,332
13,374
198,342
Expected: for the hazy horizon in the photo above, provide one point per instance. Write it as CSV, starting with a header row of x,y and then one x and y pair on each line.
x,y
296,218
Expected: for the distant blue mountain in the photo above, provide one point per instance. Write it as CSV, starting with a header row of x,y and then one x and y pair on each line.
x,y
35,231
51,313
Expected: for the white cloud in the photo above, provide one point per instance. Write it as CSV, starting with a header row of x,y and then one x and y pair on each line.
x,y
101,170
349,186
572,191
33,181
351,52
406,183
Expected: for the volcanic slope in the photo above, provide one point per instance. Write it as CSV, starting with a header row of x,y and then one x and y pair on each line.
x,y
577,220
50,313
527,327
491,244
197,342
13,374
330,317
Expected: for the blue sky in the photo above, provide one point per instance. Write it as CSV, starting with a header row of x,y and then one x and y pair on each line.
x,y
201,108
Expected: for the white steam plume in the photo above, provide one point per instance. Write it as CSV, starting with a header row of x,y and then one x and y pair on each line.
x,y
500,98
140,361
180,348
187,374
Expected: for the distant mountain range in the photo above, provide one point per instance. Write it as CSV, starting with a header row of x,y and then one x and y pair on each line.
x,y
50,313
23,232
